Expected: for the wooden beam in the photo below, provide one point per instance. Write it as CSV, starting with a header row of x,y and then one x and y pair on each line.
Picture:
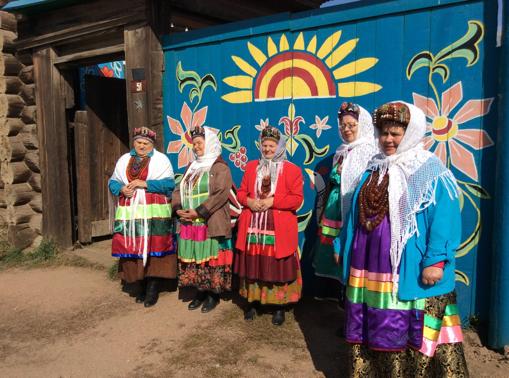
x,y
54,164
110,50
72,32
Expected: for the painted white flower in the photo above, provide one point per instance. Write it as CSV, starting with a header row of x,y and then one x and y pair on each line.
x,y
262,124
320,125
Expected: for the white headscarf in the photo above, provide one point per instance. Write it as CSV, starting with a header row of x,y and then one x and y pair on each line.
x,y
200,164
356,156
413,177
271,166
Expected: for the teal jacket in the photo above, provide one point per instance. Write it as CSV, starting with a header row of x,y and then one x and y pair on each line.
x,y
438,237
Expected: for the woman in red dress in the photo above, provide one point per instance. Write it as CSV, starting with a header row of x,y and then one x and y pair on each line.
x,y
267,241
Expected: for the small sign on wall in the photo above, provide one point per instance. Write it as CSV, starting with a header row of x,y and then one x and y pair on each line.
x,y
138,83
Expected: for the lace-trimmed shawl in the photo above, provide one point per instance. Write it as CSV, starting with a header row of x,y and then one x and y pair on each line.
x,y
200,164
414,174
356,156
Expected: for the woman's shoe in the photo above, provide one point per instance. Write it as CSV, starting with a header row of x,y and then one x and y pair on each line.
x,y
152,293
250,314
210,303
197,301
140,295
278,317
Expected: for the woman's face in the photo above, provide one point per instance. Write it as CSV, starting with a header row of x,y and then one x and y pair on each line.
x,y
199,145
269,148
390,138
349,128
143,147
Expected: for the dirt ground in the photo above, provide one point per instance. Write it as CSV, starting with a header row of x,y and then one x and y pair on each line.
x,y
75,322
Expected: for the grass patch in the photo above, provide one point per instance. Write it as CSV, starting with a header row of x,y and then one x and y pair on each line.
x,y
46,254
113,271
234,347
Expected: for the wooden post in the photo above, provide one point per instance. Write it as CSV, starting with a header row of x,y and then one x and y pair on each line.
x,y
54,165
82,158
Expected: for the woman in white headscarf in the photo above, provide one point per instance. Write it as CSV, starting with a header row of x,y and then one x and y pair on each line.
x,y
398,247
201,203
349,163
267,239
142,233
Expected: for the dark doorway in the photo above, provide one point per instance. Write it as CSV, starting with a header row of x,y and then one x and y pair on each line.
x,y
101,136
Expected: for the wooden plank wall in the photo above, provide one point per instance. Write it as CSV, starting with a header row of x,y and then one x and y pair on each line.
x,y
52,130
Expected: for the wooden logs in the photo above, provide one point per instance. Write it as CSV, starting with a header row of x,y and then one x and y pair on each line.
x,y
26,74
12,149
36,204
28,94
15,105
11,126
29,114
8,37
8,21
12,66
32,161
18,194
15,173
35,182
29,137
21,235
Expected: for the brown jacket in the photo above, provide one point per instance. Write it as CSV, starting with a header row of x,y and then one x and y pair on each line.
x,y
216,209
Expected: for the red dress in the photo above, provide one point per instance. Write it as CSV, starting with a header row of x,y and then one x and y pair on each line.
x,y
267,261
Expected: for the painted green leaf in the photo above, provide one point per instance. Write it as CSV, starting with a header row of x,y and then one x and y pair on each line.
x,y
442,70
477,190
186,77
422,59
461,198
178,178
471,242
462,277
208,81
232,135
303,220
312,151
466,47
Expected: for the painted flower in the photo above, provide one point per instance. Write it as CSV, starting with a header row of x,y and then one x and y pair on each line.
x,y
446,138
184,145
263,124
291,125
320,125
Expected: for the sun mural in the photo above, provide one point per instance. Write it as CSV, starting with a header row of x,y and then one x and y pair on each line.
x,y
301,71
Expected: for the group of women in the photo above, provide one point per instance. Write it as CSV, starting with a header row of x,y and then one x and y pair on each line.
x,y
388,232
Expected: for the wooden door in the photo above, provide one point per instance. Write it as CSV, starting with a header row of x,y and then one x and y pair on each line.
x,y
101,137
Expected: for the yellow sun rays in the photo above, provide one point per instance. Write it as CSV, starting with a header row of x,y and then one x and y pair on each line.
x,y
331,53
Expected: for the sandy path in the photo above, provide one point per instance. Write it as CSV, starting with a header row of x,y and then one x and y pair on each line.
x,y
74,322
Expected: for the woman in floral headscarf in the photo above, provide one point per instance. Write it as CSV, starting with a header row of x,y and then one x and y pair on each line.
x,y
267,240
349,163
398,246
201,203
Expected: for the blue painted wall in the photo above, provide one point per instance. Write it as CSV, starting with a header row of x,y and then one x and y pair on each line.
x,y
293,71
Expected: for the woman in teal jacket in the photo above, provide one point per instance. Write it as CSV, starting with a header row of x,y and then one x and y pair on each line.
x,y
397,249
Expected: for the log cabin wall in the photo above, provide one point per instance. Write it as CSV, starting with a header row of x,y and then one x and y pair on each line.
x,y
20,178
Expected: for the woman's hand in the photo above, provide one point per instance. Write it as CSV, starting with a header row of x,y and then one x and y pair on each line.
x,y
266,203
253,204
137,184
337,258
187,215
431,275
126,191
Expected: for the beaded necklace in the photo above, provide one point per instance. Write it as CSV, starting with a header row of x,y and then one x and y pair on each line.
x,y
373,201
137,167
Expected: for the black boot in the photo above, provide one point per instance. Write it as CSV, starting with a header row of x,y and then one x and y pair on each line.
x,y
278,317
250,313
140,295
210,303
152,292
197,301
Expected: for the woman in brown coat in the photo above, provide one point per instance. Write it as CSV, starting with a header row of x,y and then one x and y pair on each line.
x,y
201,203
